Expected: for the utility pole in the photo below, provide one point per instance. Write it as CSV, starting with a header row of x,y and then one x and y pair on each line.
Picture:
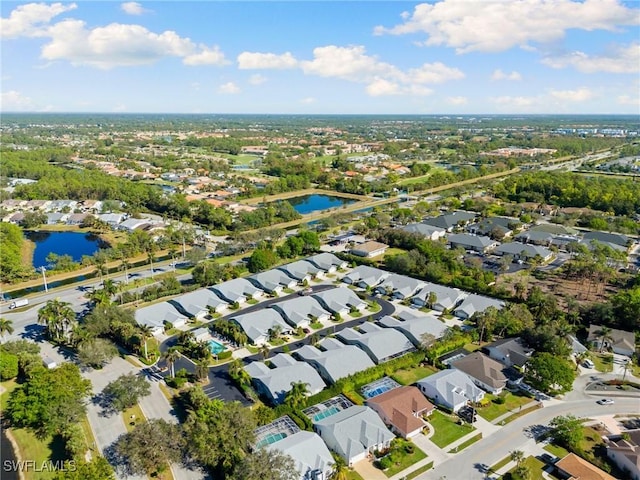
x,y
44,278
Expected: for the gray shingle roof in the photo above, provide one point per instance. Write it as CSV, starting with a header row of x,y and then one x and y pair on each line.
x,y
300,269
453,386
271,280
298,310
476,303
414,325
308,451
450,219
337,361
422,229
401,285
233,290
365,274
193,303
523,249
326,260
472,241
155,315
257,324
616,238
447,297
338,299
379,343
482,368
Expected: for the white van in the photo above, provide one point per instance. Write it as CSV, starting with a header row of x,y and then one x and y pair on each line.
x,y
588,364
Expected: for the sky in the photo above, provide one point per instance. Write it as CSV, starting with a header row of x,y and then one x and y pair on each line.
x,y
322,57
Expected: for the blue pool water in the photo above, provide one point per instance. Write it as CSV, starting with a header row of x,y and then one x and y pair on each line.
x,y
326,413
271,438
62,243
315,203
216,347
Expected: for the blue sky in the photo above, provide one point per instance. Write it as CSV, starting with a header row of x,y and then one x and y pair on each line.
x,y
447,56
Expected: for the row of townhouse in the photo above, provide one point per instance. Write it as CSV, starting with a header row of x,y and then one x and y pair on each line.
x,y
421,293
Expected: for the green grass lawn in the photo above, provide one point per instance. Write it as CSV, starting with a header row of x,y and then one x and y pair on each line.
x,y
406,462
316,325
138,417
493,410
39,450
497,466
465,444
412,375
602,361
353,475
447,429
535,467
393,251
355,314
419,471
556,450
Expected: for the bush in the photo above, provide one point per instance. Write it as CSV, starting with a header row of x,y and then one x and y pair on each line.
x,y
8,366
499,400
224,355
385,462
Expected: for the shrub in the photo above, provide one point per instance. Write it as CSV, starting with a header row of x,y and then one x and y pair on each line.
x,y
499,400
224,355
8,366
385,462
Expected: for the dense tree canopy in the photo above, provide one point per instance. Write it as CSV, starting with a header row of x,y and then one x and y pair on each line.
x,y
12,241
549,373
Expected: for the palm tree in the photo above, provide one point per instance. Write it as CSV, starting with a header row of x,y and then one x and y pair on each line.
x,y
6,326
274,332
151,249
517,456
202,368
171,356
145,332
432,298
426,340
297,395
264,350
124,265
340,469
57,316
604,334
627,365
109,287
581,357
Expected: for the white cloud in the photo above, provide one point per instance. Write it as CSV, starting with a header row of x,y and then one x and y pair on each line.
x,y
500,75
434,73
257,79
132,8
634,101
308,100
14,101
229,88
517,101
206,56
579,95
457,100
621,59
380,87
30,20
271,61
495,25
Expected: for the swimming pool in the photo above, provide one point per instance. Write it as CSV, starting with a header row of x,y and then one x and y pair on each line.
x,y
216,347
325,414
271,438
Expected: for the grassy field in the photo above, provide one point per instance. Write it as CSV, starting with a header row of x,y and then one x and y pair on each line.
x,y
410,376
556,450
353,475
493,410
535,467
132,416
406,462
602,361
446,429
393,251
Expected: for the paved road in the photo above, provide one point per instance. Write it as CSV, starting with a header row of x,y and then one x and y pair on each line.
x,y
221,385
471,463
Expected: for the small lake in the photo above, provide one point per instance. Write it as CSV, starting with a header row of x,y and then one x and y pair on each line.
x,y
63,243
315,203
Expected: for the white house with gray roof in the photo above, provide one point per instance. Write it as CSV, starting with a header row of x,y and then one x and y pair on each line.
x,y
276,382
451,220
301,311
401,286
414,325
237,290
272,281
381,344
364,276
310,455
302,271
476,243
258,323
156,315
524,251
335,360
445,297
340,300
327,262
451,389
476,303
197,304
354,433
429,231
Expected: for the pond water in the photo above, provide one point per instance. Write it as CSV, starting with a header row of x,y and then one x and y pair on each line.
x,y
315,203
62,243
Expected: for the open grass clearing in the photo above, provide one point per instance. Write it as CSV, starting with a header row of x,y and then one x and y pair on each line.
x,y
602,361
535,469
38,450
493,410
447,429
412,375
133,416
406,461
556,450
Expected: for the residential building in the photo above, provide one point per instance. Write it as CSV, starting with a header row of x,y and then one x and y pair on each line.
x,y
619,341
494,227
327,262
272,281
310,454
624,451
476,303
524,251
400,286
302,271
484,371
259,324
446,298
112,219
131,224
55,218
428,231
510,352
415,325
354,433
199,303
301,311
402,409
381,344
364,276
340,300
275,382
201,334
451,389
450,221
475,243
335,360
158,315
369,249
604,237
573,467
77,218
237,290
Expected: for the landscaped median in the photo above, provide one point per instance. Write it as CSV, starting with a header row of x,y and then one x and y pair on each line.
x,y
447,428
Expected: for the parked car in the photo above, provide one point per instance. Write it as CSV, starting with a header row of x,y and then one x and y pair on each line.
x,y
588,364
548,459
605,401
306,291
